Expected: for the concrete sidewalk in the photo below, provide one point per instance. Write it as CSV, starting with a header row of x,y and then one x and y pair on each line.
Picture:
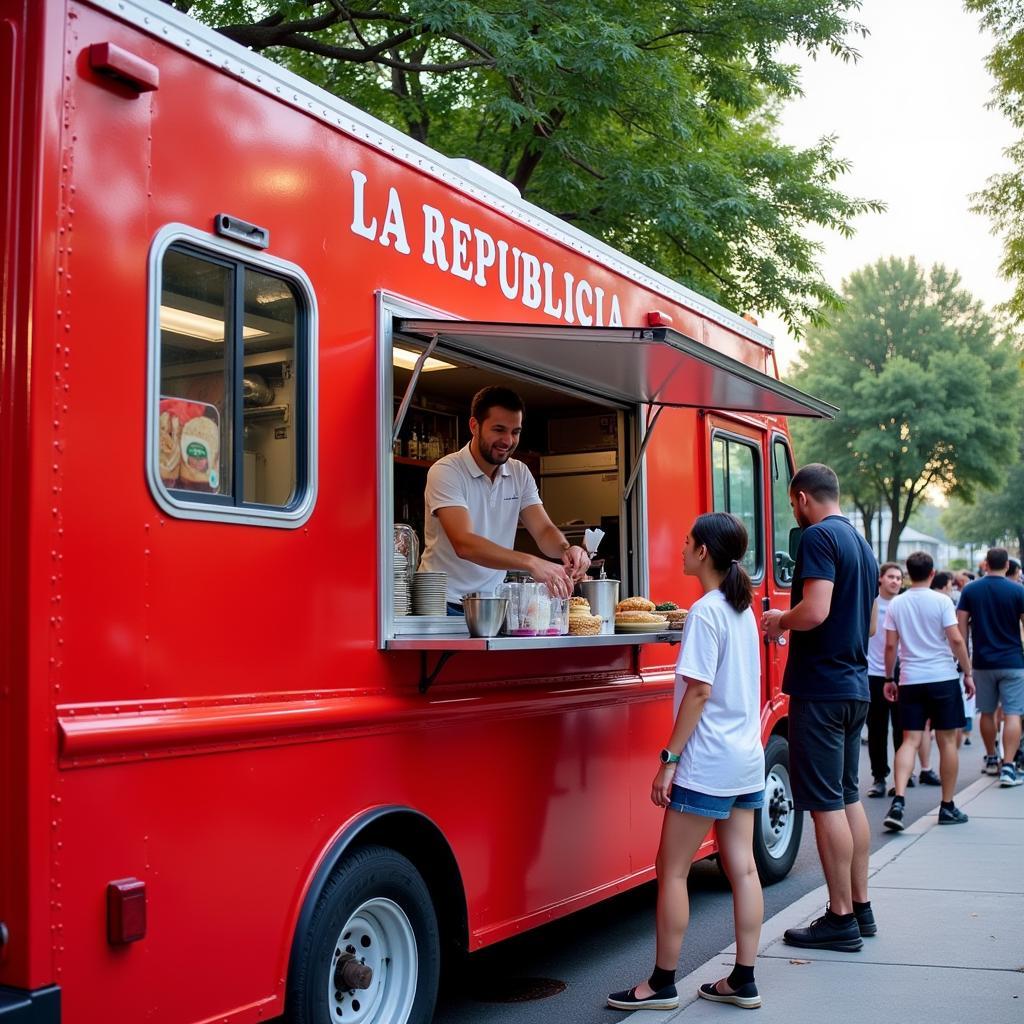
x,y
949,902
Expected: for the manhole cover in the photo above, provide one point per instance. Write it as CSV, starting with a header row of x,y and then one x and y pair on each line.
x,y
515,990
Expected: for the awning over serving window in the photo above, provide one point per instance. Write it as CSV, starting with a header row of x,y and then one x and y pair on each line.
x,y
652,365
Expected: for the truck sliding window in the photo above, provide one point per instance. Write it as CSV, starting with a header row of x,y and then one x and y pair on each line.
x,y
231,403
736,488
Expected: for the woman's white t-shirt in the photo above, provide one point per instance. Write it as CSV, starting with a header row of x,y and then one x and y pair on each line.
x,y
722,646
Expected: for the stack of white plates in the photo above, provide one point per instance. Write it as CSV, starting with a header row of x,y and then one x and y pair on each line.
x,y
403,592
429,590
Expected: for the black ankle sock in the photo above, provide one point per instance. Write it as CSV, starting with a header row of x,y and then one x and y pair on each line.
x,y
661,978
741,975
861,906
948,804
839,918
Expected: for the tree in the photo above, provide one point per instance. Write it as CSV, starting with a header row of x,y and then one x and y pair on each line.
x,y
648,124
1003,200
928,391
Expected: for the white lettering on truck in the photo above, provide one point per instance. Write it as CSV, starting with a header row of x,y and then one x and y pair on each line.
x,y
468,252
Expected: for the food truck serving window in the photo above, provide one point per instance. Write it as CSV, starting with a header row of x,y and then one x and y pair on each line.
x,y
231,400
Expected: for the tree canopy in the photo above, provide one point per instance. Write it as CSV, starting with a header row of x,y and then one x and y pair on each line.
x,y
1003,198
927,388
649,124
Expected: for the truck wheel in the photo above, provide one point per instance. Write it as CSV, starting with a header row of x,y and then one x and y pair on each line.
x,y
777,827
375,912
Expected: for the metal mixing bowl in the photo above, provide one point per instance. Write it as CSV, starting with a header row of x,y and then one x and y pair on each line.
x,y
484,615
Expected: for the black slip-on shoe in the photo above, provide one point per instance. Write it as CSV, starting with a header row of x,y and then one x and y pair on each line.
x,y
928,778
666,998
745,996
866,921
877,788
894,819
826,933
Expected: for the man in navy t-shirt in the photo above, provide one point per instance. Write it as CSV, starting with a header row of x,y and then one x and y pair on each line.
x,y
992,608
834,586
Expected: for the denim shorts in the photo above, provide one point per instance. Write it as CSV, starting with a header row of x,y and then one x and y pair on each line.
x,y
1000,686
689,801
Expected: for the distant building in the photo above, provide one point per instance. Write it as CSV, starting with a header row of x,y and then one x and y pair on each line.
x,y
943,552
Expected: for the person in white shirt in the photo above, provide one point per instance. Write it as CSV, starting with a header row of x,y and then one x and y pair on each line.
x,y
712,768
475,499
881,711
921,626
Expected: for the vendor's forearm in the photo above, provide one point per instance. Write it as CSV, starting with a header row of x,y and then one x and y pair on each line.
x,y
481,551
552,542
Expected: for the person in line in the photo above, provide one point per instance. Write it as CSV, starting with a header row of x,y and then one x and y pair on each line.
x,y
474,500
881,711
712,768
834,586
921,627
990,614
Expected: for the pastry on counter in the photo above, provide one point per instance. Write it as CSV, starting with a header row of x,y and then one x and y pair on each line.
x,y
634,604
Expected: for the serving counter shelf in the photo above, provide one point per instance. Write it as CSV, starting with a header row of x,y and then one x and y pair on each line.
x,y
449,645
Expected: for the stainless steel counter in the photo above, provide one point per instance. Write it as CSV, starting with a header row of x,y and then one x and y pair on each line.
x,y
461,642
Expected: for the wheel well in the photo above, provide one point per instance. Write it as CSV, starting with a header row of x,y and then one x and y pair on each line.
x,y
781,728
418,838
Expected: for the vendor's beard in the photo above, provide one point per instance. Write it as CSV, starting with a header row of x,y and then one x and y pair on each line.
x,y
487,454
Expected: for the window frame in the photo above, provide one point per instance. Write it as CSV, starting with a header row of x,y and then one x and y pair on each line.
x,y
222,508
756,449
780,439
633,516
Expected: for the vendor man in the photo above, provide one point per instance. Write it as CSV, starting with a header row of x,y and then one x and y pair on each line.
x,y
475,499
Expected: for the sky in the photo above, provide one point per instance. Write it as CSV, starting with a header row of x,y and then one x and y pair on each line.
x,y
911,116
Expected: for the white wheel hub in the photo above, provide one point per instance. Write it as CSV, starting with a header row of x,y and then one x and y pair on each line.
x,y
379,935
777,816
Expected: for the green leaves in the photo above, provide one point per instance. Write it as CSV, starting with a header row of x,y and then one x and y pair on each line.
x,y
927,388
649,124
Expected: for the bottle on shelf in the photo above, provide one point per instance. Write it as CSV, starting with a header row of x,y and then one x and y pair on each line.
x,y
414,445
434,447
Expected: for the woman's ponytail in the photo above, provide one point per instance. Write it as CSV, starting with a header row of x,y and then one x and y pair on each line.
x,y
725,538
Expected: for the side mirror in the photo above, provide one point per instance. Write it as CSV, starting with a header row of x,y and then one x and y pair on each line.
x,y
794,541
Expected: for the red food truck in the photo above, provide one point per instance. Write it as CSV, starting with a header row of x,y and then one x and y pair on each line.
x,y
240,321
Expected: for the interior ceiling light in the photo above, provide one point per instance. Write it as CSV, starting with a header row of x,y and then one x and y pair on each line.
x,y
195,325
406,358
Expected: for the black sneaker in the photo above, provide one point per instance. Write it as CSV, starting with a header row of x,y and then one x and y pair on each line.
x,y
951,816
991,764
745,996
666,998
928,778
826,933
877,788
894,819
865,921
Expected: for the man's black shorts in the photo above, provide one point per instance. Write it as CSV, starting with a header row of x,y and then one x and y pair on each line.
x,y
943,703
824,752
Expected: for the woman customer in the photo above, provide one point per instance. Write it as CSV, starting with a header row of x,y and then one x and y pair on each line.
x,y
713,766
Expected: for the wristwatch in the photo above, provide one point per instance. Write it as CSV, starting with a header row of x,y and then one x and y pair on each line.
x,y
667,757
889,679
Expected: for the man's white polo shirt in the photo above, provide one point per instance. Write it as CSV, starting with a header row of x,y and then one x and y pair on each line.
x,y
456,481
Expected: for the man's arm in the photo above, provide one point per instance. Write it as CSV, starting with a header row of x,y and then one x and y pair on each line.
x,y
959,648
963,621
892,646
812,610
457,524
874,618
550,539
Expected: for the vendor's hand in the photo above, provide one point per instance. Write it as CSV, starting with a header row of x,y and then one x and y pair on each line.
x,y
770,623
891,691
576,562
661,788
969,687
553,576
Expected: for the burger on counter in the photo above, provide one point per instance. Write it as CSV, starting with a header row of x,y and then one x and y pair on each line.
x,y
641,610
581,622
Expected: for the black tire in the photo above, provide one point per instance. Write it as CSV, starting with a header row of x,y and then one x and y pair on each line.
x,y
357,911
777,827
